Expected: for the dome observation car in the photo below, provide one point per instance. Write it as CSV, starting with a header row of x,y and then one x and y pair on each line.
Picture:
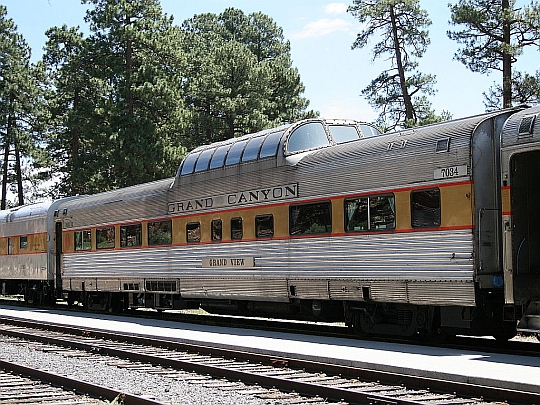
x,y
286,140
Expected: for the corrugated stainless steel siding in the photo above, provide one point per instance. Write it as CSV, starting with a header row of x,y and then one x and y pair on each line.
x,y
371,164
26,220
510,134
261,289
393,160
441,255
315,266
24,267
309,289
125,205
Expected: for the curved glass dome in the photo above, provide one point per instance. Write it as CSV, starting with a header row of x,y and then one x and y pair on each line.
x,y
303,136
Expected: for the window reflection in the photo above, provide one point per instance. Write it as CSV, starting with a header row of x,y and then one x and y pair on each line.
x,y
308,136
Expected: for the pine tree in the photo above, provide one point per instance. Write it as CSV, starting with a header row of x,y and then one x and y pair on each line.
x,y
118,108
74,95
400,91
136,44
494,36
240,78
20,108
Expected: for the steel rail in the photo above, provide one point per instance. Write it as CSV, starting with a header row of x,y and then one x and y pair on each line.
x,y
67,383
335,393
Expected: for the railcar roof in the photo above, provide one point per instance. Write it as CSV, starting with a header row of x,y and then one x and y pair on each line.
x,y
136,192
29,210
273,144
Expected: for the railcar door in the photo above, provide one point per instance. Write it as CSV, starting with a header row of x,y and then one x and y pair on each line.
x,y
525,207
58,257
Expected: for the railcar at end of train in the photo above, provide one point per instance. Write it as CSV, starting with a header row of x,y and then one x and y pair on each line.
x,y
25,269
429,230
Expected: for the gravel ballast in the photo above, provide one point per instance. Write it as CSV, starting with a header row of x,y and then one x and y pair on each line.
x,y
96,370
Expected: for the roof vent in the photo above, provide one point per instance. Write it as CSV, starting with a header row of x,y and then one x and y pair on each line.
x,y
443,145
526,125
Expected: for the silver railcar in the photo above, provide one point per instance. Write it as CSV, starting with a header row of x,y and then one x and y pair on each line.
x,y
424,230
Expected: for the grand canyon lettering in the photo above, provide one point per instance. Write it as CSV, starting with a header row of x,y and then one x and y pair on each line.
x,y
234,199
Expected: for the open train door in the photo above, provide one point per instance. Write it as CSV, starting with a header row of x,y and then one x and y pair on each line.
x,y
525,236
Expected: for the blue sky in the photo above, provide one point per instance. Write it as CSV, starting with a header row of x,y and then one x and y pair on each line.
x,y
321,34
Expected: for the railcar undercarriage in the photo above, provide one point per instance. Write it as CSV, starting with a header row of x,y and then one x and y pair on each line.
x,y
488,318
365,318
35,292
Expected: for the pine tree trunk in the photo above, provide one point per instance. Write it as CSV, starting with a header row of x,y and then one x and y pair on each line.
x,y
5,172
18,173
409,111
507,60
7,146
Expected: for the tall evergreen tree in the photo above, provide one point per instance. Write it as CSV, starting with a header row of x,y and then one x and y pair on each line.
x,y
494,35
240,77
117,107
136,56
76,91
20,103
400,91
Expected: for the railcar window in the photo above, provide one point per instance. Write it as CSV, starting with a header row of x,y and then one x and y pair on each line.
x,y
204,160
369,131
270,145
193,231
217,230
105,238
83,240
252,149
189,163
235,152
382,212
10,246
237,230
426,208
371,213
308,136
219,157
131,235
310,218
264,226
23,242
344,133
357,214
160,232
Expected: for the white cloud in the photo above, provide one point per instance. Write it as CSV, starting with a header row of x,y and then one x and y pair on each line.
x,y
323,27
335,8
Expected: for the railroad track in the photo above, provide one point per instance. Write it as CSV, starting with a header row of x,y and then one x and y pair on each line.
x,y
523,348
309,379
26,385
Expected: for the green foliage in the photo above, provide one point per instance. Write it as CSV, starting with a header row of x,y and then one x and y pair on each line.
x,y
132,97
240,77
118,107
401,28
494,36
525,90
21,111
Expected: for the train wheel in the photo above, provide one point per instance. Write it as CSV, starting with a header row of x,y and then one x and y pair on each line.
x,y
33,297
505,333
97,302
439,337
356,326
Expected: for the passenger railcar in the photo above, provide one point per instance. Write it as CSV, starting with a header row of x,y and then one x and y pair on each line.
x,y
426,230
26,262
